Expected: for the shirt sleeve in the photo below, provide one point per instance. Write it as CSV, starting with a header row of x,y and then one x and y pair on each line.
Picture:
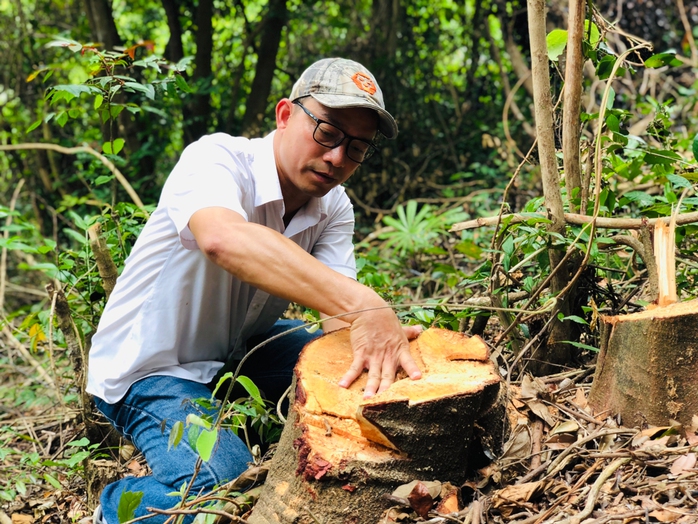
x,y
334,246
208,174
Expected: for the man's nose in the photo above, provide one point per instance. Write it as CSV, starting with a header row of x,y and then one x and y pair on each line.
x,y
337,156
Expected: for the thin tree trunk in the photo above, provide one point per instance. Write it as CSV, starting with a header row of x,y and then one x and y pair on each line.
x,y
99,14
573,101
174,50
256,108
198,111
556,350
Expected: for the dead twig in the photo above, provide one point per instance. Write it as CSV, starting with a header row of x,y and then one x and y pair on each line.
x,y
595,490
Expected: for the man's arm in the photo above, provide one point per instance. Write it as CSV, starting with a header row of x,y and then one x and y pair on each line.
x,y
271,262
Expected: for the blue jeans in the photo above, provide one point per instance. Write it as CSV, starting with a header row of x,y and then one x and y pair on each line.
x,y
153,404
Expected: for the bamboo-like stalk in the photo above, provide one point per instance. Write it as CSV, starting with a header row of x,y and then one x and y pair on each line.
x,y
544,114
572,102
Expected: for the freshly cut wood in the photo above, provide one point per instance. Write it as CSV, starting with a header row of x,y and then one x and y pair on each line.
x,y
340,454
647,366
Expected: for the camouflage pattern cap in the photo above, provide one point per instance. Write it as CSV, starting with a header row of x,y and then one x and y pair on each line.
x,y
342,83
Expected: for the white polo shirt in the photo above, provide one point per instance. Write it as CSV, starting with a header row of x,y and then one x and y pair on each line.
x,y
174,312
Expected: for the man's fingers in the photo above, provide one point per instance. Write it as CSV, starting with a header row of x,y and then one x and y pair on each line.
x,y
352,374
412,332
410,366
372,385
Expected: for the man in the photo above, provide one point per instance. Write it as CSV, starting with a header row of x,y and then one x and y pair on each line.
x,y
242,228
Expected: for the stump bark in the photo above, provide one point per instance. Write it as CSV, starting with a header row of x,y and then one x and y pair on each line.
x,y
340,454
647,366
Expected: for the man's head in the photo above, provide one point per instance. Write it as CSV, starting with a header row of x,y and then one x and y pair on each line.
x,y
326,128
340,83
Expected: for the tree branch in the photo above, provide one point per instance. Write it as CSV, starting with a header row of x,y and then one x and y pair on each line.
x,y
83,149
576,219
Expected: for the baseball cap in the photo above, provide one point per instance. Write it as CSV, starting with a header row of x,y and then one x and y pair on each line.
x,y
342,83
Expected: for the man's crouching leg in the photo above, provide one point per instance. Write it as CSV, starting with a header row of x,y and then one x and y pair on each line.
x,y
146,416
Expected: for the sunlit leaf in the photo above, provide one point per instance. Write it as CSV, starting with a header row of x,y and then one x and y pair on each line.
x,y
196,420
205,443
662,59
128,503
52,480
176,434
556,41
251,388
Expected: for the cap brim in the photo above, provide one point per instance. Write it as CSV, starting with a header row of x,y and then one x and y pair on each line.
x,y
386,123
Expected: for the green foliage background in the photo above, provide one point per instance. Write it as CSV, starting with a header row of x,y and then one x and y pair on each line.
x,y
453,74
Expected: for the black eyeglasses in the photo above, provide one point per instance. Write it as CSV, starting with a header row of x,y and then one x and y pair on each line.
x,y
330,136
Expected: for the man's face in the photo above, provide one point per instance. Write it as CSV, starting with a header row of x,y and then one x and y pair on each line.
x,y
306,168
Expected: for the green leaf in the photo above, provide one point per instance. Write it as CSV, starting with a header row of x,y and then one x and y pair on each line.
x,y
21,487
98,101
182,84
469,249
73,90
221,381
84,441
642,198
662,59
38,123
251,389
679,181
581,346
128,502
575,318
196,420
205,443
148,90
611,98
62,118
663,157
613,123
605,66
176,434
103,179
52,480
118,145
556,41
115,110
594,34
695,146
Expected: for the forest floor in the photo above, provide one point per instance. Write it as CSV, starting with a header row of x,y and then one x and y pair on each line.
x,y
561,463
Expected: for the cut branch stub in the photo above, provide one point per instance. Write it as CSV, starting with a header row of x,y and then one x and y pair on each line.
x,y
340,453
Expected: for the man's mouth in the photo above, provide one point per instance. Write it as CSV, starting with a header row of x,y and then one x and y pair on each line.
x,y
324,176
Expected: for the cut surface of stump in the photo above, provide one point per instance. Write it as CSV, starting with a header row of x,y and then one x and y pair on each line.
x,y
340,454
647,366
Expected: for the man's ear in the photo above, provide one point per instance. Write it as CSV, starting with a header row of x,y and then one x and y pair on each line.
x,y
283,113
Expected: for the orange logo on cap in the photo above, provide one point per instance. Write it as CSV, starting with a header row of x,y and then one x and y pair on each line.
x,y
364,83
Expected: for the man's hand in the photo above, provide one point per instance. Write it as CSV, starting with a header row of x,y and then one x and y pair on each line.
x,y
380,345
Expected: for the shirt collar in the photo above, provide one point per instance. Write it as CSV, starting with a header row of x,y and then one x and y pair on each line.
x,y
268,188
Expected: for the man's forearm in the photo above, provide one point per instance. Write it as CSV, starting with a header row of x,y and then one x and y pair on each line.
x,y
269,261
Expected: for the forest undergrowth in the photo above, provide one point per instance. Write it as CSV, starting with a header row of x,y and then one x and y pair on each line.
x,y
469,243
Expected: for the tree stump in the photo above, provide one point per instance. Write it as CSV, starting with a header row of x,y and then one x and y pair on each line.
x,y
648,364
340,454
